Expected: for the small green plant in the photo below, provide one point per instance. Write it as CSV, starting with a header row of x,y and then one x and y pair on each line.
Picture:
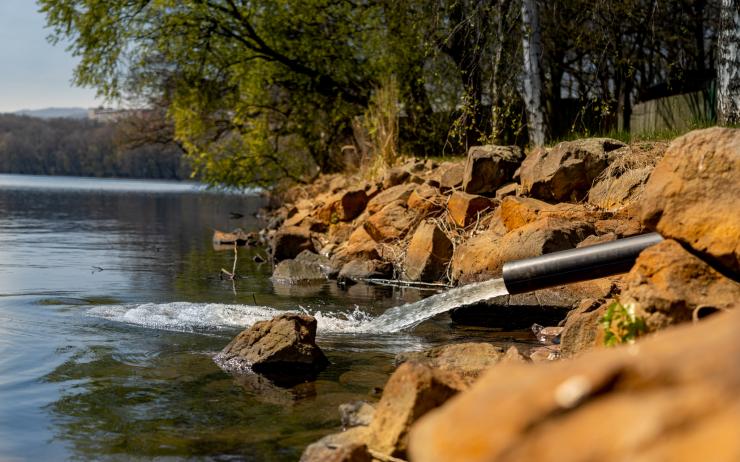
x,y
621,324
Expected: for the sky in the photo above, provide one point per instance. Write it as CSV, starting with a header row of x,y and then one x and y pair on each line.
x,y
35,74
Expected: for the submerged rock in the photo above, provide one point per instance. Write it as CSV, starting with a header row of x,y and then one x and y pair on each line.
x,y
282,347
297,272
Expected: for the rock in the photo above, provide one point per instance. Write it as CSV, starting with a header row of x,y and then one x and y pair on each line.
x,y
356,414
624,227
365,269
297,272
412,391
344,206
675,400
483,256
510,189
518,211
693,194
567,171
318,261
582,330
348,446
450,176
594,240
514,356
395,176
282,346
488,167
667,284
425,200
615,193
359,246
390,223
289,241
468,360
464,208
428,254
393,194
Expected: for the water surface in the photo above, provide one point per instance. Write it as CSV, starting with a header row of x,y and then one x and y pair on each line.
x,y
112,306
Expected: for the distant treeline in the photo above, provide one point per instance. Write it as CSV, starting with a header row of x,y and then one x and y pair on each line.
x,y
83,148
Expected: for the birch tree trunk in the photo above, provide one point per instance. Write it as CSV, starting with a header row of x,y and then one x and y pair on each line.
x,y
532,47
728,64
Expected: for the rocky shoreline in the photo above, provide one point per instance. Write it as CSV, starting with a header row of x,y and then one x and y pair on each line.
x,y
659,396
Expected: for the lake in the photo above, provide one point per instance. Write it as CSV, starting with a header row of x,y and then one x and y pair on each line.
x,y
112,305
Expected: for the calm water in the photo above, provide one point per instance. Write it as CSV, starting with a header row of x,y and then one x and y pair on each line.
x,y
111,308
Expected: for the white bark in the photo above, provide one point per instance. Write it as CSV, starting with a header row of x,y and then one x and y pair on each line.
x,y
728,64
532,80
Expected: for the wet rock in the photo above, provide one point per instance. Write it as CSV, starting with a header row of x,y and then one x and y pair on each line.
x,y
289,241
428,254
464,209
425,200
297,272
281,347
390,223
567,171
693,194
356,414
343,206
667,283
393,194
365,269
483,256
412,391
675,400
468,360
347,446
488,167
317,261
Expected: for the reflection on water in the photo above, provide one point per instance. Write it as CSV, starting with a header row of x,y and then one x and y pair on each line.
x,y
77,381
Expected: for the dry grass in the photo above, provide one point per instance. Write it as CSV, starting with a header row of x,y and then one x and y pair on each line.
x,y
377,132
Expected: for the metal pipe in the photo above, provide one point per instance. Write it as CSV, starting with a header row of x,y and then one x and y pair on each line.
x,y
575,265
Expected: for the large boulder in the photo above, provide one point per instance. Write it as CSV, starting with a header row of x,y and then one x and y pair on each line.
x,y
465,209
489,167
483,256
693,194
283,346
412,391
678,399
667,285
567,171
428,254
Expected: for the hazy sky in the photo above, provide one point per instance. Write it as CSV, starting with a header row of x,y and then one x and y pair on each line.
x,y
33,73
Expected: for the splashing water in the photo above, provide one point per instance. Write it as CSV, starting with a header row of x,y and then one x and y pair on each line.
x,y
189,317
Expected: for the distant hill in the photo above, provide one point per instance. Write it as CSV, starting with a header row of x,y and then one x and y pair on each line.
x,y
55,112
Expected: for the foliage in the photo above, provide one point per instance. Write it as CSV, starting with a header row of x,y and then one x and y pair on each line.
x,y
621,324
83,148
381,123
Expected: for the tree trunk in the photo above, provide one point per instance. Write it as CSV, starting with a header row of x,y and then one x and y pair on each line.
x,y
728,64
532,47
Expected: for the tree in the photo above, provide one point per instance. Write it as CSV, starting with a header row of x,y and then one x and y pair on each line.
x,y
532,78
728,64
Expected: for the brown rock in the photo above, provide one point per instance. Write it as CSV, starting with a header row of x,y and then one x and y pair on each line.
x,y
468,360
297,272
396,193
356,414
359,246
566,172
667,284
464,208
390,223
582,330
425,199
675,400
510,189
514,356
365,269
483,256
450,175
518,211
289,241
428,254
412,391
693,195
284,345
395,176
344,206
615,193
488,167
594,240
347,446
